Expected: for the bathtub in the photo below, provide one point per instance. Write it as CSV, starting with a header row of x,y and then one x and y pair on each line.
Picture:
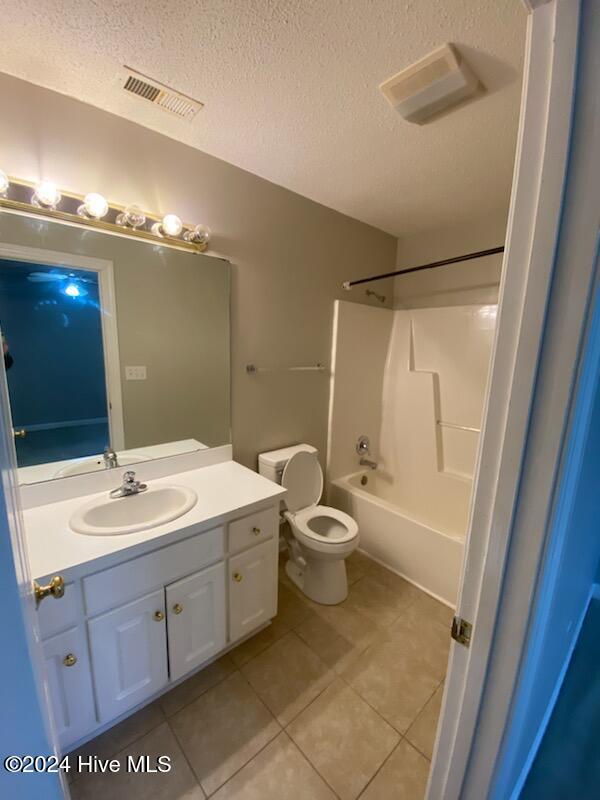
x,y
429,558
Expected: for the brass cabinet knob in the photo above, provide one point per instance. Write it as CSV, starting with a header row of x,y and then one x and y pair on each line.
x,y
159,616
256,531
69,660
56,589
237,576
20,434
177,608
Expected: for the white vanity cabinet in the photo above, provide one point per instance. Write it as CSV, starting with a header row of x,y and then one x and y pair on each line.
x,y
129,654
253,589
151,620
196,620
69,682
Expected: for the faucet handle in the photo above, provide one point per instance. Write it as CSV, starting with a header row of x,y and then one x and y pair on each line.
x,y
363,446
129,477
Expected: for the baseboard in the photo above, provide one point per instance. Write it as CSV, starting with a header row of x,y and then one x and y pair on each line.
x,y
381,563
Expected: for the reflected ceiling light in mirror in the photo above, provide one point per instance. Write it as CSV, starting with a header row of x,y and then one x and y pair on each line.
x,y
132,217
170,225
198,235
4,183
94,206
74,290
46,195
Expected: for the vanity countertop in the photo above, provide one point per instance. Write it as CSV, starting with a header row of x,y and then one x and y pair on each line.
x,y
222,490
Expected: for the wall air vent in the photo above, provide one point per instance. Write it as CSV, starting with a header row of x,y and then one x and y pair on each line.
x,y
160,95
435,83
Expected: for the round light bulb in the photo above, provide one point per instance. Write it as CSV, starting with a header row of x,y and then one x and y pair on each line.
x,y
46,194
171,225
133,216
4,183
198,235
94,206
72,290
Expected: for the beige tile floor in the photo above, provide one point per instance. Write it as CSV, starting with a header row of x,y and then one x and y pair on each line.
x,y
327,702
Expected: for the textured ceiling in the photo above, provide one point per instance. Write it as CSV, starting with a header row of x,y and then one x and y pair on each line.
x,y
290,91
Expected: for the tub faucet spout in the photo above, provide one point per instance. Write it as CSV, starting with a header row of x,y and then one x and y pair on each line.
x,y
365,462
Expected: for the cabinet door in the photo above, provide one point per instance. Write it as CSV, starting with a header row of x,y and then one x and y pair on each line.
x,y
196,619
129,654
252,589
70,685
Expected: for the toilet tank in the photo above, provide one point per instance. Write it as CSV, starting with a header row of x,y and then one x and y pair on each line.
x,y
271,464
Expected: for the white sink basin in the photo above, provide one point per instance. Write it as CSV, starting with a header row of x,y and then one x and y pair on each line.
x,y
96,464
138,512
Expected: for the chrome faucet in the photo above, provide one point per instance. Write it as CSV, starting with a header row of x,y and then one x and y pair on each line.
x,y
363,448
110,458
129,486
365,462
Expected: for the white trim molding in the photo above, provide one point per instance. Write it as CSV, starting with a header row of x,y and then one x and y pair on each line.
x,y
534,222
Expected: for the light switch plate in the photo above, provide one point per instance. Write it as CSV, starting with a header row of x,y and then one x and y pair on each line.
x,y
135,373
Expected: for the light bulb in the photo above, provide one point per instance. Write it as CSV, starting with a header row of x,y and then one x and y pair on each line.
x,y
170,225
198,235
46,195
132,217
94,206
4,183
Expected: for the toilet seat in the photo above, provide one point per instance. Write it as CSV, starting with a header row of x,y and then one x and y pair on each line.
x,y
323,528
319,528
303,479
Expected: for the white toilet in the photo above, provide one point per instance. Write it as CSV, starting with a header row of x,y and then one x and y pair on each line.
x,y
322,537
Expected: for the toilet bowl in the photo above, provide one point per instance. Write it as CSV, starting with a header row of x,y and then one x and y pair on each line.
x,y
321,536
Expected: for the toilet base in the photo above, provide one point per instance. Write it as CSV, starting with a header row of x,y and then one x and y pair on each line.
x,y
323,582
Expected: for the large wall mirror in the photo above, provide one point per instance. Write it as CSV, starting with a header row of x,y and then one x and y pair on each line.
x,y
112,347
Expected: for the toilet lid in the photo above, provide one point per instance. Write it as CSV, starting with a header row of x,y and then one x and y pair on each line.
x,y
303,479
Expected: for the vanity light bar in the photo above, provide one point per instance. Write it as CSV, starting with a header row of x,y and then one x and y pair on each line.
x,y
94,211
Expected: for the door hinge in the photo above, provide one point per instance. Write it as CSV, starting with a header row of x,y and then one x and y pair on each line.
x,y
461,631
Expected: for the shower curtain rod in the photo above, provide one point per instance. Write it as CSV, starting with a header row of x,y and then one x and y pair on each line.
x,y
347,285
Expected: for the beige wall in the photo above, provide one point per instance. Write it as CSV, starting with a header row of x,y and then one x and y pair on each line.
x,y
473,281
289,255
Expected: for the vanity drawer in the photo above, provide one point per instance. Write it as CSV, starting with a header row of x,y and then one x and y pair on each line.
x,y
125,582
56,615
252,529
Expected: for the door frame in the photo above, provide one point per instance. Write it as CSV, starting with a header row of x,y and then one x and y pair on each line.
x,y
108,318
518,460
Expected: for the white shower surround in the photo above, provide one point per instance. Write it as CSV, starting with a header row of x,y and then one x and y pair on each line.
x,y
396,375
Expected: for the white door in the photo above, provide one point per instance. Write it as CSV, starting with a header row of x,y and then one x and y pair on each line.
x,y
542,313
70,685
253,589
196,619
129,654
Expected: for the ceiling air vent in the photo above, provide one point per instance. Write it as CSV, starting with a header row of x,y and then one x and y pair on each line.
x,y
160,95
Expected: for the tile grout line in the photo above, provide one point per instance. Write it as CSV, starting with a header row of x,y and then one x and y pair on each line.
x,y
310,763
184,754
381,766
379,714
115,753
203,692
418,715
245,764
